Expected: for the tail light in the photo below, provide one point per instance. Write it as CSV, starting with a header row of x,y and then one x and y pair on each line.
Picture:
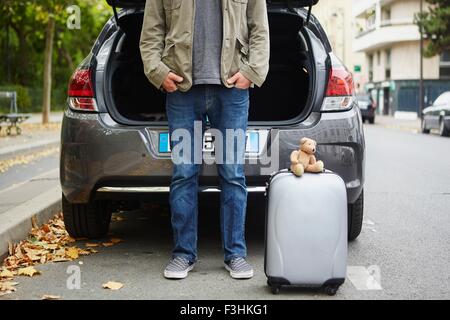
x,y
81,90
340,90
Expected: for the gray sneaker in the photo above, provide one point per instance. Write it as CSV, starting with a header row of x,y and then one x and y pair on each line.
x,y
178,268
239,268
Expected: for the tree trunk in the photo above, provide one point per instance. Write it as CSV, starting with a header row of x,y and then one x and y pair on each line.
x,y
48,54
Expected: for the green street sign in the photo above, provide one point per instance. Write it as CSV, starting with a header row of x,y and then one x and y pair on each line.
x,y
357,68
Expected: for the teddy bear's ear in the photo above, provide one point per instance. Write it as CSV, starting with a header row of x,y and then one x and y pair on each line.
x,y
303,140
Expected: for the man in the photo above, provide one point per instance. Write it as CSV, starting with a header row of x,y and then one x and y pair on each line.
x,y
205,54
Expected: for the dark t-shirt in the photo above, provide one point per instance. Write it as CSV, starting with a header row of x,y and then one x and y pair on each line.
x,y
207,46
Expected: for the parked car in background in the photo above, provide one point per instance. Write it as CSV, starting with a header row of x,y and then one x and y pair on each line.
x,y
367,106
437,116
115,141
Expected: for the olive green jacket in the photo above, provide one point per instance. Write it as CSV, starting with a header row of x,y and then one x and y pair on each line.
x,y
167,38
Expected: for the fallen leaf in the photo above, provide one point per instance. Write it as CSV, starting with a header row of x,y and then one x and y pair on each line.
x,y
34,223
72,253
70,239
92,245
112,285
61,259
11,248
116,240
107,244
117,219
8,286
50,297
46,228
28,271
82,252
6,274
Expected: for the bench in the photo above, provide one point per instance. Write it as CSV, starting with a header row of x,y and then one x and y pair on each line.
x,y
12,119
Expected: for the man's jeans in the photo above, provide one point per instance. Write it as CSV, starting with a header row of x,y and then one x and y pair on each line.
x,y
225,109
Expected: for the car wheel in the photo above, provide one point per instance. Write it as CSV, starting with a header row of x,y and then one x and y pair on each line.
x,y
372,120
90,220
424,127
444,132
355,217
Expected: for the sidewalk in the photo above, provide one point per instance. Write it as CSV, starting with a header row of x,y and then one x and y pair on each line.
x,y
55,116
38,197
392,123
34,136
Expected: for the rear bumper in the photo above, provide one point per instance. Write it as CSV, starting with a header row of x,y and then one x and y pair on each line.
x,y
99,156
368,114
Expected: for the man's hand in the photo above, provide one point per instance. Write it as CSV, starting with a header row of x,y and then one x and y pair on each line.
x,y
170,82
239,81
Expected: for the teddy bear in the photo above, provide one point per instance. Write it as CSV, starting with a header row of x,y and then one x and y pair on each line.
x,y
303,160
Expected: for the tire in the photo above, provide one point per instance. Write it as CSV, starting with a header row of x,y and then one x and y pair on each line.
x,y
275,290
89,220
355,217
443,131
331,290
424,127
372,120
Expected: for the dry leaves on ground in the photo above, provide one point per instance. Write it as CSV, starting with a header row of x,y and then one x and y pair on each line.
x,y
112,285
27,158
28,271
117,218
7,287
48,243
50,297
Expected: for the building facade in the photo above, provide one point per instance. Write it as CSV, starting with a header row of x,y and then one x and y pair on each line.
x,y
336,18
385,32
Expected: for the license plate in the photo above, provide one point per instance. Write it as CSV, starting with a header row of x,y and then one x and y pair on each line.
x,y
251,146
363,105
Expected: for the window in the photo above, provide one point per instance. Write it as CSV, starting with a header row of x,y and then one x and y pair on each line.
x,y
370,62
386,17
388,64
378,58
444,70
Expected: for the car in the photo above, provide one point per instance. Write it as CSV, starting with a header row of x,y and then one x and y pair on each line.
x,y
115,148
437,116
367,106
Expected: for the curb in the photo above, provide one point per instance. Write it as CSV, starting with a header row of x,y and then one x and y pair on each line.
x,y
15,224
17,150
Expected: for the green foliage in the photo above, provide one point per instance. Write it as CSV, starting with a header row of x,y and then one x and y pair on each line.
x,y
22,43
435,24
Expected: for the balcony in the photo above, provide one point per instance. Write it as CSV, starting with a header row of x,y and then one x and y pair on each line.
x,y
389,32
360,7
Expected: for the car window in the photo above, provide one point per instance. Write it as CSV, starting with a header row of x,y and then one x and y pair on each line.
x,y
363,98
443,99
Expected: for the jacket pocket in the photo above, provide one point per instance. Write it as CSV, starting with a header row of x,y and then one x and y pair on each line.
x,y
172,4
241,1
243,46
166,50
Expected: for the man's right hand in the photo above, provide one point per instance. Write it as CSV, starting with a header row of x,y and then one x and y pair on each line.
x,y
170,82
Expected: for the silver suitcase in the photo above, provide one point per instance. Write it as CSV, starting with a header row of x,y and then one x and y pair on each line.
x,y
306,231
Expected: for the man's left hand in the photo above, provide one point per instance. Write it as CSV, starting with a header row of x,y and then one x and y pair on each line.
x,y
239,81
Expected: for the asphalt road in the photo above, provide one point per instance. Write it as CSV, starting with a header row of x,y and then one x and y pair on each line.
x,y
405,242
